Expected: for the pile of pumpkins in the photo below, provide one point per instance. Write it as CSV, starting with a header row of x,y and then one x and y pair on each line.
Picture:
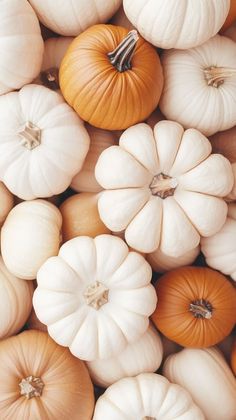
x,y
117,209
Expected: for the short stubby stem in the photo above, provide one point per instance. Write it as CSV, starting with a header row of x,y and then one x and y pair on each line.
x,y
31,387
216,76
30,135
96,295
149,418
163,185
50,78
201,308
121,57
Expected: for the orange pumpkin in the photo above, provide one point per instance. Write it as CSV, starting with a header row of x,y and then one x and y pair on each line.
x,y
233,357
42,380
111,77
196,306
231,16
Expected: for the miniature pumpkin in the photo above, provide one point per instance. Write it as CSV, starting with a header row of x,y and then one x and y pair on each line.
x,y
30,234
6,202
21,45
43,143
220,249
199,80
233,357
111,77
144,355
162,187
231,17
205,374
181,24
146,397
161,262
196,306
41,380
224,142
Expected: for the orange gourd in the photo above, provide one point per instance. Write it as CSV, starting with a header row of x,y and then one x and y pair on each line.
x,y
196,306
111,77
233,357
231,16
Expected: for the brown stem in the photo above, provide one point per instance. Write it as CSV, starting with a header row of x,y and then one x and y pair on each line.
x,y
122,55
149,418
31,387
30,135
215,76
163,185
50,78
96,295
201,309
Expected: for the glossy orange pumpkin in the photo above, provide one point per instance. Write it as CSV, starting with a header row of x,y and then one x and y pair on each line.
x,y
111,77
233,357
196,306
231,16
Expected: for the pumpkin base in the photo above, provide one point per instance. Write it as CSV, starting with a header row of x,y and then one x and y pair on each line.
x,y
201,309
30,136
96,295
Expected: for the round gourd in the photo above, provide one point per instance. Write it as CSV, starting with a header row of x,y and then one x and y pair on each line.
x,y
43,143
6,202
41,380
200,86
177,24
205,374
162,187
220,249
21,45
196,306
95,297
144,355
224,142
16,302
161,262
30,235
233,357
80,217
231,17
74,16
111,77
146,397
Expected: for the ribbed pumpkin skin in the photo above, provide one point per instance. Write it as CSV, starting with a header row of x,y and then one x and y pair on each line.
x,y
177,289
99,93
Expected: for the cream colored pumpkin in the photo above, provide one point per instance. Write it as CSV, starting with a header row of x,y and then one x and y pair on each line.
x,y
21,45
6,202
162,187
144,355
95,297
16,302
147,396
205,374
232,195
200,86
43,142
71,17
220,249
30,235
177,24
161,262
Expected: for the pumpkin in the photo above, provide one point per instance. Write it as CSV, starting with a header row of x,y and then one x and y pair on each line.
x,y
111,77
120,19
161,262
196,306
41,380
220,249
6,202
33,322
80,217
146,397
144,355
224,142
233,357
74,16
30,234
95,297
162,187
85,180
205,374
198,81
21,45
231,17
181,24
16,302
43,143
232,195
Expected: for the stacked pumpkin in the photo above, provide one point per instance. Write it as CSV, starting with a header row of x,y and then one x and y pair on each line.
x,y
101,192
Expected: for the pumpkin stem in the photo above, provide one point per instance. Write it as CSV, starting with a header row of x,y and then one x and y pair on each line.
x,y
201,309
122,55
96,295
50,78
30,135
31,387
163,185
149,418
215,76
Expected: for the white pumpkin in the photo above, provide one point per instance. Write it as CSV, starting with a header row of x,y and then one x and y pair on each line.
x,y
220,249
205,374
232,195
161,262
43,142
30,235
95,297
147,396
16,302
162,187
6,202
21,45
71,17
177,24
144,355
200,86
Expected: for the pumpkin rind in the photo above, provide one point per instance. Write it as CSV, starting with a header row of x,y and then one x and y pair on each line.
x,y
162,263
6,202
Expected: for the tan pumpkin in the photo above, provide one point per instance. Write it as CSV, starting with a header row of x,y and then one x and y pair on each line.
x,y
41,380
6,202
161,262
233,357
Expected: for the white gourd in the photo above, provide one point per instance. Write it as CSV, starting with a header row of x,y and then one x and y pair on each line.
x,y
162,263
